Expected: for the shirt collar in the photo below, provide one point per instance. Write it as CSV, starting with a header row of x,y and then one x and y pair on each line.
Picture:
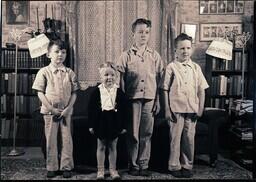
x,y
101,86
136,51
185,63
55,69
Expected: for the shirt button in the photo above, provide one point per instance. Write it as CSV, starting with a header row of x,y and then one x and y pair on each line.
x,y
141,90
142,80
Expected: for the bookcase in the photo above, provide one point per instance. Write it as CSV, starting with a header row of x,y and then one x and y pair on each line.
x,y
29,129
224,78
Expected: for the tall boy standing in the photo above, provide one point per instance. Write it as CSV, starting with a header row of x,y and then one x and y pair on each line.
x,y
140,70
183,86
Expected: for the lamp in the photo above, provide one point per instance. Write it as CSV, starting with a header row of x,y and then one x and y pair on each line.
x,y
220,48
244,39
16,36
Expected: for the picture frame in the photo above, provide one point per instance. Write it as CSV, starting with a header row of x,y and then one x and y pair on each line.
x,y
189,29
210,31
238,42
17,12
220,7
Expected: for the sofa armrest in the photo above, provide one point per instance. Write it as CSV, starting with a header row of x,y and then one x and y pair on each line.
x,y
214,116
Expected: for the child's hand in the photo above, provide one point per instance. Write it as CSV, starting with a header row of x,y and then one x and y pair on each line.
x,y
56,111
91,130
66,112
169,116
123,131
156,107
200,113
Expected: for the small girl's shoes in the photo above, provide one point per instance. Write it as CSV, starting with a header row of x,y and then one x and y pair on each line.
x,y
100,175
114,175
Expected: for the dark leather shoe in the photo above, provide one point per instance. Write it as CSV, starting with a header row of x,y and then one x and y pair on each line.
x,y
134,172
213,164
176,173
51,174
67,174
186,173
145,172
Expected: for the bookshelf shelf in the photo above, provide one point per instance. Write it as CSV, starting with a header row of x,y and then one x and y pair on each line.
x,y
227,72
227,96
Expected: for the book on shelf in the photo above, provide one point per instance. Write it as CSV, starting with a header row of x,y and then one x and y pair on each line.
x,y
244,133
5,128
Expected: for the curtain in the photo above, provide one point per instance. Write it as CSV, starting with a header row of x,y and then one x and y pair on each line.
x,y
101,31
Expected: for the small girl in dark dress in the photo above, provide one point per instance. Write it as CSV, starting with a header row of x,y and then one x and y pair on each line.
x,y
106,116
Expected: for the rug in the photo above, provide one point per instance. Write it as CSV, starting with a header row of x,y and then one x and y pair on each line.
x,y
34,169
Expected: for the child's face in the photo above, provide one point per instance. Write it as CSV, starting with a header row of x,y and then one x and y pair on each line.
x,y
141,34
108,76
183,50
56,55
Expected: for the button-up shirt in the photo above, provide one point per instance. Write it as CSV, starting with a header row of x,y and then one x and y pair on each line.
x,y
57,84
183,91
141,72
108,97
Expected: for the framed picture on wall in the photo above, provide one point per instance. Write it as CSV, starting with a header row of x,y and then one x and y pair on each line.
x,y
189,29
210,31
17,12
221,7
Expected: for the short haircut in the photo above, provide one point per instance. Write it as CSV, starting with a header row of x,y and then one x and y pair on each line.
x,y
108,65
58,42
141,21
181,37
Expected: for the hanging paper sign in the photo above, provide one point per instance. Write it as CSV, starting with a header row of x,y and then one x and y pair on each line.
x,y
38,46
220,48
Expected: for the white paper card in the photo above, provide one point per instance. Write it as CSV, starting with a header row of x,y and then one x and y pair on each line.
x,y
38,46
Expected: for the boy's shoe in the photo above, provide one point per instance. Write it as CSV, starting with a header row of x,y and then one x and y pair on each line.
x,y
186,173
134,172
100,175
114,174
177,173
67,174
213,164
145,172
51,174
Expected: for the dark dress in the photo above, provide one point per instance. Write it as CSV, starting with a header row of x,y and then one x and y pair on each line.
x,y
107,124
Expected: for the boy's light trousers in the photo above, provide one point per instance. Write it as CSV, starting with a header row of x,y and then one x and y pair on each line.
x,y
140,130
51,131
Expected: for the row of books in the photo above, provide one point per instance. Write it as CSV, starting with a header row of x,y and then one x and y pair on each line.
x,y
223,85
234,64
26,129
244,133
23,59
24,83
24,104
222,103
